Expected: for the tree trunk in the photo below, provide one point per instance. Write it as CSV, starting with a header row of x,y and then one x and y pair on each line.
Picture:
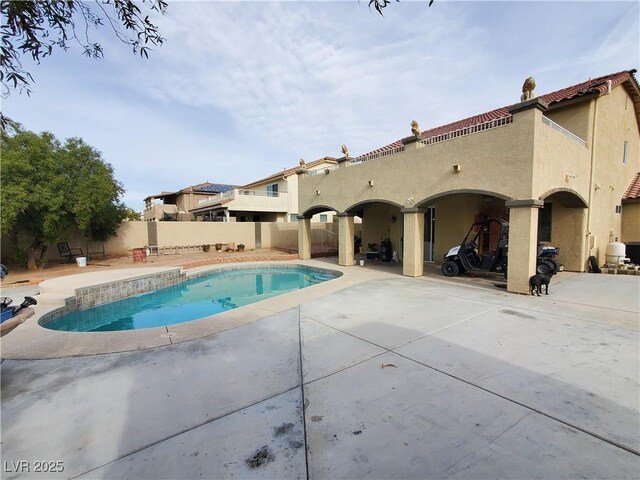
x,y
34,255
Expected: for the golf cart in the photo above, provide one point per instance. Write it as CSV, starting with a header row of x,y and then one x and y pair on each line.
x,y
478,253
467,257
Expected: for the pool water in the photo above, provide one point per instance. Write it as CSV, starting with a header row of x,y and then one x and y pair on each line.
x,y
193,299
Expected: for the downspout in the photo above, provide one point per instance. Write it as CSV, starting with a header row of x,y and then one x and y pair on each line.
x,y
594,125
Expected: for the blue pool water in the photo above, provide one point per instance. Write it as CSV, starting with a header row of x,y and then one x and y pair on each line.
x,y
196,298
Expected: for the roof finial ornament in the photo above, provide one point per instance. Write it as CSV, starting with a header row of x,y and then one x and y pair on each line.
x,y
345,151
527,89
302,162
415,129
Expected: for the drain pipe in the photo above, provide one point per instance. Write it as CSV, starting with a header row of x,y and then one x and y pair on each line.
x,y
594,125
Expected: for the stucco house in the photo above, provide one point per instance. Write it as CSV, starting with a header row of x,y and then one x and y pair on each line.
x,y
271,199
556,166
176,206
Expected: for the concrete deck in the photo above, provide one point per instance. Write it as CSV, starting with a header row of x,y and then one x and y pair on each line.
x,y
382,377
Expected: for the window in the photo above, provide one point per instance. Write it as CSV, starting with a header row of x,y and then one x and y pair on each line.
x,y
323,218
618,208
293,217
272,190
544,223
625,152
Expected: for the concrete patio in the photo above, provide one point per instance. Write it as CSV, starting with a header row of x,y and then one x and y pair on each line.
x,y
386,377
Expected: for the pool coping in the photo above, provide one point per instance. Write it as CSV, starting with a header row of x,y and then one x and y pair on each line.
x,y
32,341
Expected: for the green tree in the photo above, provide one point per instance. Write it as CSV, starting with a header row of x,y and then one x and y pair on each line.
x,y
48,187
36,28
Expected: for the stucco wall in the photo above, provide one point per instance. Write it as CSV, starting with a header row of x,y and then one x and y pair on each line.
x,y
575,118
135,235
497,160
615,123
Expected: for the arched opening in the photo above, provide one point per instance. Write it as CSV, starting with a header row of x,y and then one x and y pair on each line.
x,y
449,215
377,230
323,235
562,223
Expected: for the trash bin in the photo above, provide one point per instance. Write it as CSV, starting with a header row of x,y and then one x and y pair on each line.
x,y
81,261
139,255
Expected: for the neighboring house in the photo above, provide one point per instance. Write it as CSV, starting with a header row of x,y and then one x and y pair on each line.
x,y
176,206
271,199
556,166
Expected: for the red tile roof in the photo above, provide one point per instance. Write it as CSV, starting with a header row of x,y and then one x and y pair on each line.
x,y
633,191
596,86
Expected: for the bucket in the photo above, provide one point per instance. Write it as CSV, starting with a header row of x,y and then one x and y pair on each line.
x,y
139,255
81,261
362,263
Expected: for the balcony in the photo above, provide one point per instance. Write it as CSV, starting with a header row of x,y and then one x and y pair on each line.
x,y
247,200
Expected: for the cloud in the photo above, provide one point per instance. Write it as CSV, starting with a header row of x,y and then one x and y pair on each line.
x,y
241,90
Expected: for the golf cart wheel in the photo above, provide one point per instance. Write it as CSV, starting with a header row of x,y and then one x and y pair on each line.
x,y
545,267
450,269
556,265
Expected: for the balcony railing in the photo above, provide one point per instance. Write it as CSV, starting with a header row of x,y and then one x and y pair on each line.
x,y
238,193
322,170
374,155
463,132
563,131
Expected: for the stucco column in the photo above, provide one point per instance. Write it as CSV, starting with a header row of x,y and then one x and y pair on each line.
x,y
304,238
346,232
413,256
523,243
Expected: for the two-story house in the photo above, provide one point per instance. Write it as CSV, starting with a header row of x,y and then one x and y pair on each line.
x,y
556,166
271,199
177,206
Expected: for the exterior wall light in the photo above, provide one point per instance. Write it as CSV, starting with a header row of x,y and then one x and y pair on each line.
x,y
326,170
317,192
371,183
457,168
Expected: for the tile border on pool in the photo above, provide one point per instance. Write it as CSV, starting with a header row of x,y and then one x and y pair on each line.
x,y
32,341
101,294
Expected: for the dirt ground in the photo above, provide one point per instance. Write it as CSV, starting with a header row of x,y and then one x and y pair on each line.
x,y
19,276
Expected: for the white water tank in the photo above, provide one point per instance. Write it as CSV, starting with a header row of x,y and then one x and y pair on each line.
x,y
615,253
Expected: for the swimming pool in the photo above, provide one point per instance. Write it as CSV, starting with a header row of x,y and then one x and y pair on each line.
x,y
192,299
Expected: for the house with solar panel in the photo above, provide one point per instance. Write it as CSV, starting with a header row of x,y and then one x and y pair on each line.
x,y
270,199
553,168
176,206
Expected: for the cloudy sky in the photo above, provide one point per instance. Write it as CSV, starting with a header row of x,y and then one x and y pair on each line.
x,y
241,90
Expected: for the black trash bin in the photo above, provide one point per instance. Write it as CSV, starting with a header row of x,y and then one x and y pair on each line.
x,y
633,252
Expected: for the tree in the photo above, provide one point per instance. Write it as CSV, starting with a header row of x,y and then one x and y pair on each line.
x,y
35,28
48,187
380,4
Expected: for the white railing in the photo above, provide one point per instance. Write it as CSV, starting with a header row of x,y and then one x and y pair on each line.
x,y
374,155
563,131
236,192
470,130
321,170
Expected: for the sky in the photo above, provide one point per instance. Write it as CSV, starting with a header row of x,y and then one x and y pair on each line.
x,y
241,90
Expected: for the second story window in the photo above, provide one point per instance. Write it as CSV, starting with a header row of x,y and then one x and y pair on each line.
x,y
272,190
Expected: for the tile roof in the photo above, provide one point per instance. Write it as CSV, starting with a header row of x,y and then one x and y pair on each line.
x,y
290,171
633,191
594,86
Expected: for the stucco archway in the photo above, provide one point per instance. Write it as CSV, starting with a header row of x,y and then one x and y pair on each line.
x,y
562,222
